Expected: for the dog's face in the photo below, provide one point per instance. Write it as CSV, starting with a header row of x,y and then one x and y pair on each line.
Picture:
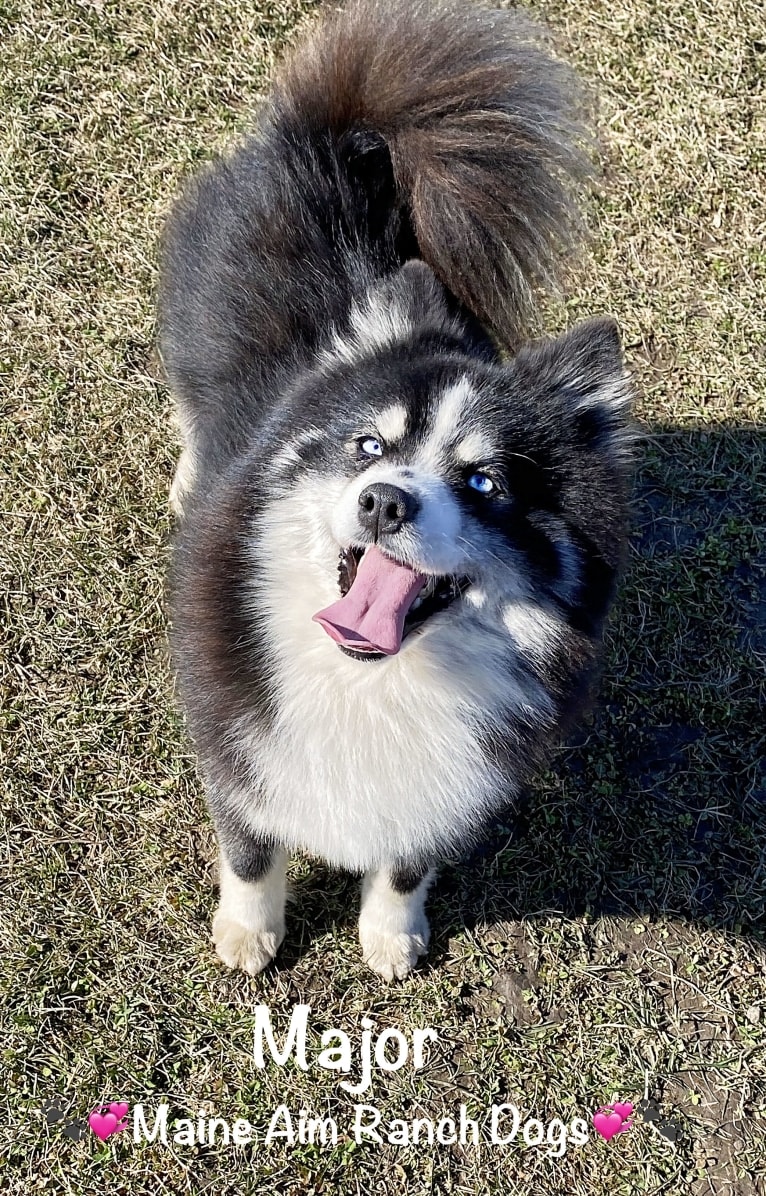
x,y
439,493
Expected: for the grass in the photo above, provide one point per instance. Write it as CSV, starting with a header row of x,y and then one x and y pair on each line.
x,y
609,945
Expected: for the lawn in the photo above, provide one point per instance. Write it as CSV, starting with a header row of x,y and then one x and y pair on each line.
x,y
611,944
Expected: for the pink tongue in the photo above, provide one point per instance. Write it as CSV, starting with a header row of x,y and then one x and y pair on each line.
x,y
371,616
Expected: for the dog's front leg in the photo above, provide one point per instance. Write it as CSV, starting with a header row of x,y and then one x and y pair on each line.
x,y
249,924
393,928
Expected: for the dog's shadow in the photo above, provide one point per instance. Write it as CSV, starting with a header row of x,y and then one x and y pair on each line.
x,y
660,806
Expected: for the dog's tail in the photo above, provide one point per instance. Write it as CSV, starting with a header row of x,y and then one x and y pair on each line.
x,y
438,129
484,129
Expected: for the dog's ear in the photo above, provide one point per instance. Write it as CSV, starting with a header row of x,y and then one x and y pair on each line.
x,y
416,291
585,369
584,365
410,301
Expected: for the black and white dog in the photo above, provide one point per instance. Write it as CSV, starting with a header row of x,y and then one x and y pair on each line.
x,y
399,527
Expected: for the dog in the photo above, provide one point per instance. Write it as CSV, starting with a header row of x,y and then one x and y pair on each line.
x,y
400,521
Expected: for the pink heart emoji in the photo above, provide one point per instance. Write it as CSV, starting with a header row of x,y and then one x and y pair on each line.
x,y
120,1108
607,1124
624,1108
102,1124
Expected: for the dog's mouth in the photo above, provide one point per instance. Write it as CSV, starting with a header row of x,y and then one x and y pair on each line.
x,y
382,602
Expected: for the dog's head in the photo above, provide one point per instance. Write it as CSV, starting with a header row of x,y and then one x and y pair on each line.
x,y
434,489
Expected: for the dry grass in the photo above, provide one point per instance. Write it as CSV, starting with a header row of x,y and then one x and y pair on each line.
x,y
612,941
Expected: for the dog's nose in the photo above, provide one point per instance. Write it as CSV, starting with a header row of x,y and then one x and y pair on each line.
x,y
383,508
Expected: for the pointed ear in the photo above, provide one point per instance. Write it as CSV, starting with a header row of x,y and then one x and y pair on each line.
x,y
585,365
393,308
585,369
417,289
430,305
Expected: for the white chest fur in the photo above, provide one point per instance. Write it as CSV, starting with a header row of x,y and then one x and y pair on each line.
x,y
370,762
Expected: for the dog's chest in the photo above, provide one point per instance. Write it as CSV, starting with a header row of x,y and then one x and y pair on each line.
x,y
365,767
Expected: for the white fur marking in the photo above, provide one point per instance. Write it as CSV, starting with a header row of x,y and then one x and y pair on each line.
x,y
615,393
445,428
476,596
183,480
474,448
533,630
379,322
375,323
391,424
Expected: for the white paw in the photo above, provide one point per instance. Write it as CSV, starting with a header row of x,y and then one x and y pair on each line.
x,y
392,956
393,927
243,949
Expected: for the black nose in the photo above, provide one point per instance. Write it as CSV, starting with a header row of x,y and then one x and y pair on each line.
x,y
383,509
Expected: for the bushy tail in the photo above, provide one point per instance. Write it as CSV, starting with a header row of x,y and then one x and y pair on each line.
x,y
485,131
400,128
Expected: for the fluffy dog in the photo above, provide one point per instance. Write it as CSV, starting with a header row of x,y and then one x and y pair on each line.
x,y
399,525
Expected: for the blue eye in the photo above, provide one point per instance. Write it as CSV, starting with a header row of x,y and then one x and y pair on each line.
x,y
482,482
371,446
